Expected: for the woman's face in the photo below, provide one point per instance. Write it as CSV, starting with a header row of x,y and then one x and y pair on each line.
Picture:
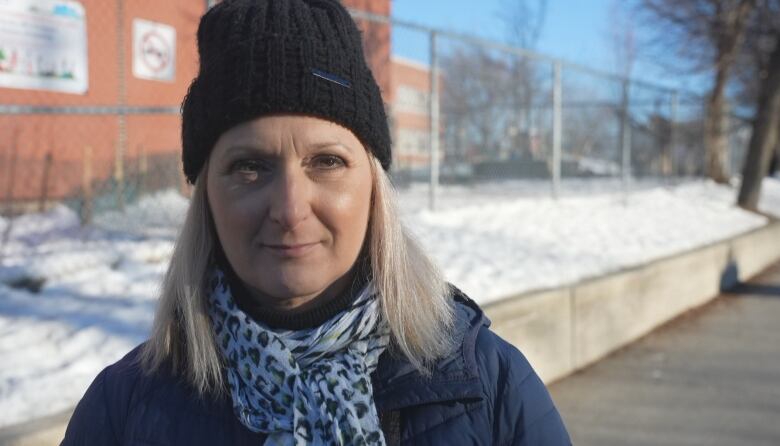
x,y
290,198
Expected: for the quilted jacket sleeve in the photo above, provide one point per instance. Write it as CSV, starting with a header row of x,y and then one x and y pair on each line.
x,y
91,421
523,412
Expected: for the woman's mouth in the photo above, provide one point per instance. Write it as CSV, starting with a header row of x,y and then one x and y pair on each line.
x,y
290,250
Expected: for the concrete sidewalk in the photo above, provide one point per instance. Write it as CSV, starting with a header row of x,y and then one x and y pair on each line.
x,y
710,377
46,431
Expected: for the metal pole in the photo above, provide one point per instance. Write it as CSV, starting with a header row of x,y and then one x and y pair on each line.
x,y
625,139
434,113
729,124
121,143
673,129
557,123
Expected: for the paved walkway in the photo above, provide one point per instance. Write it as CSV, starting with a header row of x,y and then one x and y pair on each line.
x,y
710,377
47,431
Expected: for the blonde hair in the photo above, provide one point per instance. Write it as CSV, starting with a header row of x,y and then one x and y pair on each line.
x,y
414,297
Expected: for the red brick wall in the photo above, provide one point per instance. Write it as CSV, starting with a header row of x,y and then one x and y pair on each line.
x,y
376,42
66,136
417,77
28,138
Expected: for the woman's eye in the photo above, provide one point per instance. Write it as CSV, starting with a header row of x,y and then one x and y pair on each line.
x,y
248,170
327,162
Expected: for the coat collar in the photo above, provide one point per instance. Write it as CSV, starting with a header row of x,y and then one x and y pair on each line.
x,y
397,384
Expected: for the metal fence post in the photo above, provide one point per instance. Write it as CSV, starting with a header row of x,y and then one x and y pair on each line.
x,y
9,212
557,124
729,155
625,139
434,115
673,130
44,197
119,155
86,186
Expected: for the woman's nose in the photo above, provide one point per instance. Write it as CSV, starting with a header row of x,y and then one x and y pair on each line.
x,y
290,198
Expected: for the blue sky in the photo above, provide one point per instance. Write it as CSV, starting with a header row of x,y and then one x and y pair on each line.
x,y
575,30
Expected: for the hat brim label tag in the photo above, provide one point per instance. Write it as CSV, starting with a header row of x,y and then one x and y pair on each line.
x,y
331,78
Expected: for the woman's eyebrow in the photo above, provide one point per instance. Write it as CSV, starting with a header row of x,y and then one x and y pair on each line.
x,y
244,149
327,144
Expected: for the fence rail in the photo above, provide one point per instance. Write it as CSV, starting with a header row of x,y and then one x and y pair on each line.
x,y
85,110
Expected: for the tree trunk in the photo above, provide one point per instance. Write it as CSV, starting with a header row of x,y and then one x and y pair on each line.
x,y
774,165
729,41
714,135
764,136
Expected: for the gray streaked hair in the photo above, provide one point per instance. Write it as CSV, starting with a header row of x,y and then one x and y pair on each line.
x,y
414,297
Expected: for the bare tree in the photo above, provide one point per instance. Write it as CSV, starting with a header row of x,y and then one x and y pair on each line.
x,y
763,47
587,130
709,32
646,137
621,38
524,21
475,103
623,42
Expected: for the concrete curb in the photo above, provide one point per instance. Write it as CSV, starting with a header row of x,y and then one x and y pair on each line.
x,y
568,328
565,329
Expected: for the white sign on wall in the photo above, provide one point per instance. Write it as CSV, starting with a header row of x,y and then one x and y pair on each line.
x,y
154,50
43,45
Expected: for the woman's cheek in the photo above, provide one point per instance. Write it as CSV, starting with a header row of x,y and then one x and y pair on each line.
x,y
237,217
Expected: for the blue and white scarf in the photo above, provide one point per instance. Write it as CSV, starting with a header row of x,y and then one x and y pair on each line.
x,y
310,386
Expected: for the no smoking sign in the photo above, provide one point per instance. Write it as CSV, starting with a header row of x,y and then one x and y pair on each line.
x,y
154,50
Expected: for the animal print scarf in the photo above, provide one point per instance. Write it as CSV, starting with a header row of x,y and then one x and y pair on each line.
x,y
310,386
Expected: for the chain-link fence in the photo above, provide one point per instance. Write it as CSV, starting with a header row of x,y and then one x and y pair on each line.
x,y
504,114
73,157
500,114
89,94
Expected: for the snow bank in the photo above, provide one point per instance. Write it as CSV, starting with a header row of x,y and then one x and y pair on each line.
x,y
492,249
769,201
158,214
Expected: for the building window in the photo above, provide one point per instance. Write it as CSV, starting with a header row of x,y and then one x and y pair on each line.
x,y
412,100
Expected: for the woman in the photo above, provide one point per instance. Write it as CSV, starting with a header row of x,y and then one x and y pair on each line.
x,y
296,308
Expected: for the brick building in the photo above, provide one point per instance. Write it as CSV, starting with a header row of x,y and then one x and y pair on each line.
x,y
89,125
60,124
410,111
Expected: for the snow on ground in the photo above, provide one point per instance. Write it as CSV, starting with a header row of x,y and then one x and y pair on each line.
x,y
493,251
157,214
769,201
74,299
96,301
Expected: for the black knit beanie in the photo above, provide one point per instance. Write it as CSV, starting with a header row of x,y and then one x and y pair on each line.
x,y
261,57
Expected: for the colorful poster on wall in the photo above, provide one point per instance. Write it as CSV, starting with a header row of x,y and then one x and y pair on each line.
x,y
43,45
154,50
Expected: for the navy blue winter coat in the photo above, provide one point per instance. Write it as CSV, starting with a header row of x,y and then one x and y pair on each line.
x,y
485,393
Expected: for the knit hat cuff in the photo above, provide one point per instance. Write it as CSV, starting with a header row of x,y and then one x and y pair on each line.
x,y
286,74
